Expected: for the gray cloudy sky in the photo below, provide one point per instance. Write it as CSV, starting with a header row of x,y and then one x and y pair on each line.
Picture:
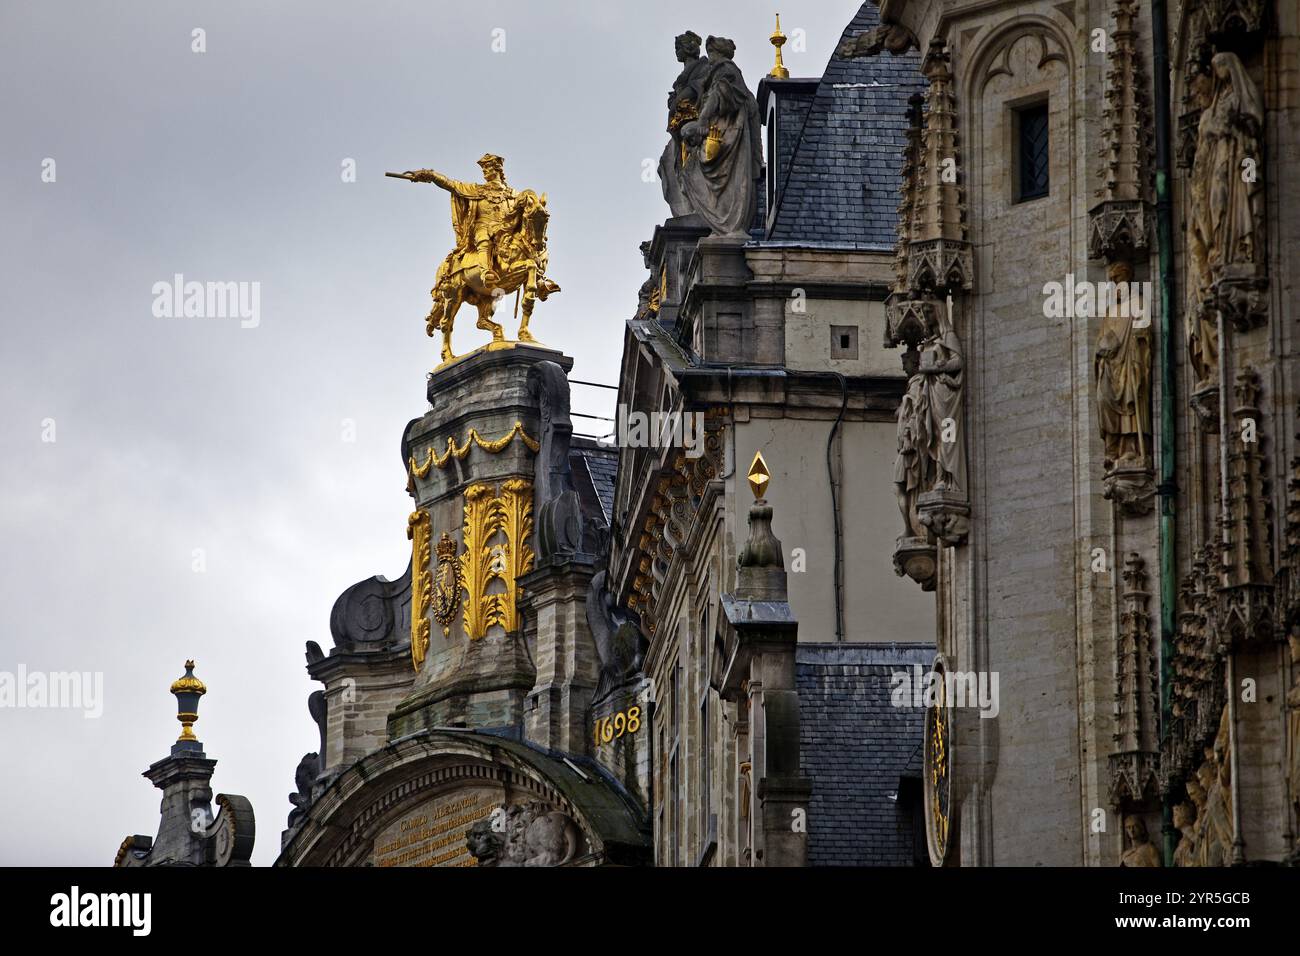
x,y
172,435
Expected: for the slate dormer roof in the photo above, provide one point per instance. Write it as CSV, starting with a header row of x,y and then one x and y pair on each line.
x,y
838,182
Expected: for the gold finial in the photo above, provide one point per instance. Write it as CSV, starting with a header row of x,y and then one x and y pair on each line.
x,y
759,476
188,689
777,39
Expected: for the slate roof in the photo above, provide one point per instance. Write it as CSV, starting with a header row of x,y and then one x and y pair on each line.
x,y
841,186
598,465
856,747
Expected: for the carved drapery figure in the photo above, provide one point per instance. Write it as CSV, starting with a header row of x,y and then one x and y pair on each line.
x,y
1228,155
1122,369
910,464
930,466
941,374
1201,317
1185,822
1203,341
1199,280
1226,228
683,107
1141,851
500,248
723,158
1214,823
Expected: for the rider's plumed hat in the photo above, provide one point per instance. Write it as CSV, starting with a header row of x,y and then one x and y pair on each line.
x,y
489,160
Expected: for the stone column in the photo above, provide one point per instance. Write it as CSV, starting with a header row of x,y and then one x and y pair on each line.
x,y
555,712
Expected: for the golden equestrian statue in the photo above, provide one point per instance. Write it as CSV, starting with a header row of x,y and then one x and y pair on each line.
x,y
500,248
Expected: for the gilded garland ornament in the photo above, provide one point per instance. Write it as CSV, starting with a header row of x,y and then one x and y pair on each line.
x,y
491,446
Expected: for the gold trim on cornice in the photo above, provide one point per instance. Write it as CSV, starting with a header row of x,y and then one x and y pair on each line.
x,y
492,446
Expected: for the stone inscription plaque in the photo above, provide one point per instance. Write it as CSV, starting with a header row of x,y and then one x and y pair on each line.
x,y
433,834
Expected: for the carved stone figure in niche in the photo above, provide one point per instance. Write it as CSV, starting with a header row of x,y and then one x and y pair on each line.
x,y
910,464
1231,130
1141,851
1226,236
723,158
1122,368
1199,280
941,375
683,106
1203,341
1214,827
1202,318
1184,821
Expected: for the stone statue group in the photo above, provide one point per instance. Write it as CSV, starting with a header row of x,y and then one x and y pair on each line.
x,y
713,160
931,453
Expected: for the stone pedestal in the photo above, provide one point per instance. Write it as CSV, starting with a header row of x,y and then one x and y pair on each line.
x,y
918,559
1132,486
670,255
184,777
471,460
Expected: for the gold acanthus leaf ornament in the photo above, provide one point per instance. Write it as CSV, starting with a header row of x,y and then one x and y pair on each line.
x,y
480,525
492,446
418,531
517,522
496,535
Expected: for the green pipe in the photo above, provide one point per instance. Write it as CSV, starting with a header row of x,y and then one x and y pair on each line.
x,y
1168,361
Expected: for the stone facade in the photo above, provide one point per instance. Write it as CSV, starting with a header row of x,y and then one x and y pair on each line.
x,y
1120,571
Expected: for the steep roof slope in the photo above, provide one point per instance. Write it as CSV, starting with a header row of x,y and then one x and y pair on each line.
x,y
841,187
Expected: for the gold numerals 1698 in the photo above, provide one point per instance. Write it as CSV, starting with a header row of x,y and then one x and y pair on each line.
x,y
624,722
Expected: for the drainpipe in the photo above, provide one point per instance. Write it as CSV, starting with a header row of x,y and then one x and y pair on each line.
x,y
1168,358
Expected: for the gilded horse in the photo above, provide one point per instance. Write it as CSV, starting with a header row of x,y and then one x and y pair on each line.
x,y
519,251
